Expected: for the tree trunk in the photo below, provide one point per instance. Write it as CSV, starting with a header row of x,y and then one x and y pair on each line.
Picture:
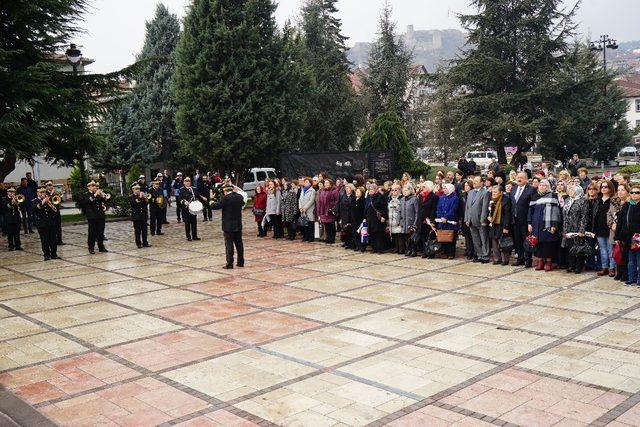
x,y
502,155
7,165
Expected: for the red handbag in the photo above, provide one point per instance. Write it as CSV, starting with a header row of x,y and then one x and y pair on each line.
x,y
533,240
617,255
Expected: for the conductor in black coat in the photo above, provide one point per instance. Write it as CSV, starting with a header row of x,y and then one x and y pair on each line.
x,y
231,206
139,216
94,209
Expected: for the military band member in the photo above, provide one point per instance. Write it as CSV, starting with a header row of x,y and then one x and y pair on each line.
x,y
95,208
204,189
51,191
167,198
45,212
142,182
231,205
176,186
139,214
12,220
157,208
187,195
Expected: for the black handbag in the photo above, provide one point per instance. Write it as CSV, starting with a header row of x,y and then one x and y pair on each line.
x,y
580,248
415,239
431,245
302,221
506,243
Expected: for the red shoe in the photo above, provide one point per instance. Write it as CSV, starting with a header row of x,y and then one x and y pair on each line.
x,y
540,266
547,266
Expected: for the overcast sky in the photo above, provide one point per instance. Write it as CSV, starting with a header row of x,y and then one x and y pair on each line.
x,y
115,28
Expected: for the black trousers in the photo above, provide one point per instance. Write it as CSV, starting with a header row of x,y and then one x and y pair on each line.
x,y
140,231
178,208
519,235
261,231
309,232
231,239
13,235
190,225
59,228
330,230
48,241
291,230
206,211
156,219
96,233
378,240
276,220
27,219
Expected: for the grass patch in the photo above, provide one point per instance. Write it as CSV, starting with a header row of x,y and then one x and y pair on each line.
x,y
80,217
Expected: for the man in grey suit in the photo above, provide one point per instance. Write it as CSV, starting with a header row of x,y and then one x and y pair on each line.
x,y
475,216
307,206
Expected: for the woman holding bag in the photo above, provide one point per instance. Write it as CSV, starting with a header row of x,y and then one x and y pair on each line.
x,y
409,218
499,223
447,219
543,220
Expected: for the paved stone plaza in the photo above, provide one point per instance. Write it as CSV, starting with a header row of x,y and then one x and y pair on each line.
x,y
309,335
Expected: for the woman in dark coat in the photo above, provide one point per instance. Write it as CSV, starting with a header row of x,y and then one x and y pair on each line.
x,y
327,207
469,249
409,217
375,212
544,220
593,202
290,209
447,217
499,222
628,225
574,223
345,205
356,216
428,202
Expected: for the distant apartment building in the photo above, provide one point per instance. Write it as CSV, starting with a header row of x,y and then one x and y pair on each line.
x,y
631,86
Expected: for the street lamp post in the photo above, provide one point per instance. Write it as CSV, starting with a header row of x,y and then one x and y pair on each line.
x,y
601,45
74,57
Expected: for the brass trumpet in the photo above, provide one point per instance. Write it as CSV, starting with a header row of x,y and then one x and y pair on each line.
x,y
56,200
19,199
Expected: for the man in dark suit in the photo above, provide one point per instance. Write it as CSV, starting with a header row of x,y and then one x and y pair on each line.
x,y
231,206
139,215
45,213
520,199
94,209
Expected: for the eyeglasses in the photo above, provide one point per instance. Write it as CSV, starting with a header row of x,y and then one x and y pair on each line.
x,y
604,186
635,192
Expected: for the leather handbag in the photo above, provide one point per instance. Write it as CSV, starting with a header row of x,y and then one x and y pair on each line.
x,y
302,221
530,243
445,236
506,243
580,248
617,254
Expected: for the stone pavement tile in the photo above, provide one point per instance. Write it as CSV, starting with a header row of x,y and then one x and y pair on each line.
x,y
332,265
15,327
145,402
82,313
226,285
328,346
259,327
35,349
64,377
123,288
274,296
5,313
186,278
88,259
437,417
115,331
390,293
160,299
331,284
171,256
38,265
381,274
592,302
120,264
171,349
487,341
150,270
546,320
631,417
594,365
205,262
478,269
504,289
15,279
619,332
417,370
466,306
237,374
280,276
438,280
325,400
330,308
288,260
57,273
558,278
400,323
219,418
422,264
27,290
82,281
605,284
197,313
48,301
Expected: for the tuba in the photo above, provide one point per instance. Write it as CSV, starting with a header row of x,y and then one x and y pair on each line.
x,y
161,202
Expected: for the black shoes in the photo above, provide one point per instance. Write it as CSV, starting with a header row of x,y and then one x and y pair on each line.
x,y
146,245
91,251
103,250
240,264
196,238
228,267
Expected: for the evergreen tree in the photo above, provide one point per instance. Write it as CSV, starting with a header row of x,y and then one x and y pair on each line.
x,y
388,133
43,110
588,111
333,118
231,86
154,91
389,71
515,51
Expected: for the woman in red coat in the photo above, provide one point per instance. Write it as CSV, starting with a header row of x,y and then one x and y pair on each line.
x,y
259,209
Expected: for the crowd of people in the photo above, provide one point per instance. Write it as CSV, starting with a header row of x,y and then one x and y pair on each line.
x,y
542,220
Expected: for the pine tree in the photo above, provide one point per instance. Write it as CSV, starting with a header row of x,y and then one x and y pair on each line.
x,y
588,112
231,87
154,90
515,51
43,110
387,79
388,133
334,116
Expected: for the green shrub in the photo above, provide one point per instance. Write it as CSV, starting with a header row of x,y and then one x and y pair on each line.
x,y
120,205
628,170
133,175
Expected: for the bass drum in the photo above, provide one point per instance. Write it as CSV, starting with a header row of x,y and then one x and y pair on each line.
x,y
245,197
195,207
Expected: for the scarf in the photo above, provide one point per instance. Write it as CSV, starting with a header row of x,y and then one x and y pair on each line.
x,y
551,214
496,210
577,195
